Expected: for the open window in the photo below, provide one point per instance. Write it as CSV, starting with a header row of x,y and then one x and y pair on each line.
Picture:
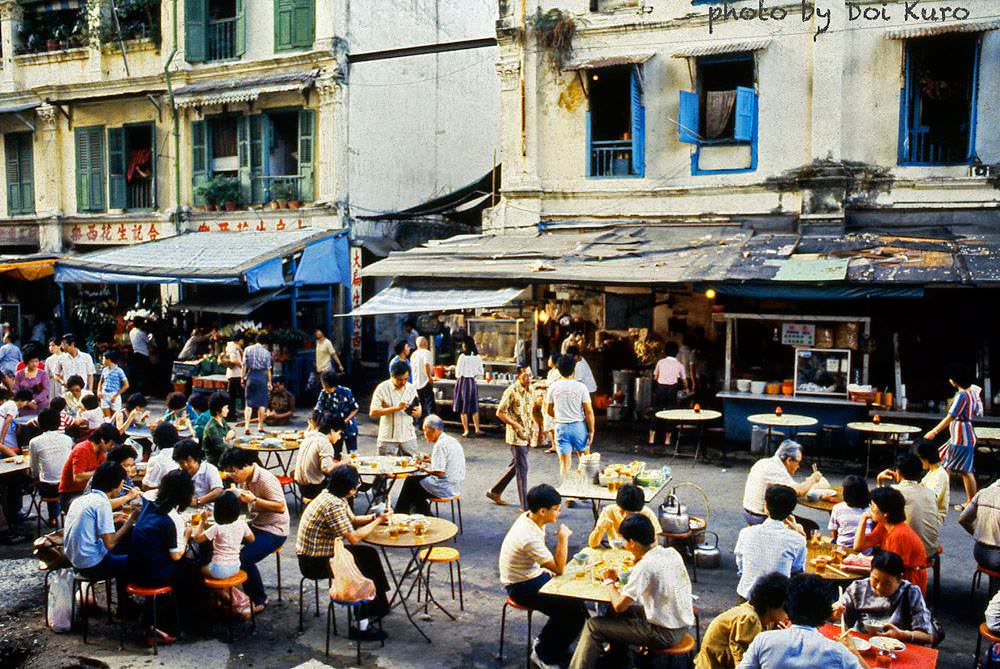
x,y
937,103
616,122
132,167
214,30
724,107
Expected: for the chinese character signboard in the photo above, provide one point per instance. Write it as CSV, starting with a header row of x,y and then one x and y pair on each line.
x,y
18,235
108,234
356,299
249,225
798,334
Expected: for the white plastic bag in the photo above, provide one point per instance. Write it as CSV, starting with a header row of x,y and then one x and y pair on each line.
x,y
61,600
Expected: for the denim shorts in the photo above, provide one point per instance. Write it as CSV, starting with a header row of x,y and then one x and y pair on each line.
x,y
221,571
571,437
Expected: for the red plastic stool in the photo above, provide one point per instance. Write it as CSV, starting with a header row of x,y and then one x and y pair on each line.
x,y
145,593
226,585
503,623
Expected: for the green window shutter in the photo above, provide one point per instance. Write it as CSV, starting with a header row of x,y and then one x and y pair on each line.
x,y
259,128
195,30
284,12
12,167
97,169
199,158
303,23
89,168
240,47
27,172
82,169
307,149
243,144
117,196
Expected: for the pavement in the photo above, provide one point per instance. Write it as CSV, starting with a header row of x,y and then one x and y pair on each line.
x,y
471,640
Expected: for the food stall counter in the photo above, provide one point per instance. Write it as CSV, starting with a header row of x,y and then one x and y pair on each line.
x,y
738,406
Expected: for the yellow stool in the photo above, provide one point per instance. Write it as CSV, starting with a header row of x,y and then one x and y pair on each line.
x,y
451,501
226,585
443,555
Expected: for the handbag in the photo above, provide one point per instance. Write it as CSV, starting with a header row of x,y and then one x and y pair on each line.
x,y
48,548
349,584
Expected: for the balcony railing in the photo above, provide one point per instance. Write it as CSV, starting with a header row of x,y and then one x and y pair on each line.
x,y
140,193
265,188
611,158
927,147
222,39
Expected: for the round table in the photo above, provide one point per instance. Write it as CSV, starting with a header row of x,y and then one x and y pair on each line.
x,y
438,532
689,416
287,446
987,433
384,471
890,430
771,420
821,505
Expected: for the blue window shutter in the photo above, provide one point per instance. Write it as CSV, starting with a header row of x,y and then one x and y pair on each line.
x,y
590,153
974,100
117,197
746,114
638,126
687,118
904,112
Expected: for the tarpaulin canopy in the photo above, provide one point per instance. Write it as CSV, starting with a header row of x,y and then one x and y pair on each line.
x,y
243,306
219,258
399,299
325,262
27,268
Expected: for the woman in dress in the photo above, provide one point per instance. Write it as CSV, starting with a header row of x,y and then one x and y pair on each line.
x,y
466,402
958,453
34,379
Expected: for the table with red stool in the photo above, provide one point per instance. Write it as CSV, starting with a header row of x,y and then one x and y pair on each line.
x,y
911,657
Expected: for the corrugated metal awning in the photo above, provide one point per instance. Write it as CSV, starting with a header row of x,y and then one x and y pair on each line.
x,y
608,61
942,29
244,306
404,299
228,91
718,48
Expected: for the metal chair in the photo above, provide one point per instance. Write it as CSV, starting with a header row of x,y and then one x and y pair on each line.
x,y
332,618
503,624
452,501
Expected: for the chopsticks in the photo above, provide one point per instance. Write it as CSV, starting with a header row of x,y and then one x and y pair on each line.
x,y
837,571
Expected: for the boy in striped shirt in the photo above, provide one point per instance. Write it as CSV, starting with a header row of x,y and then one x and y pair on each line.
x,y
525,566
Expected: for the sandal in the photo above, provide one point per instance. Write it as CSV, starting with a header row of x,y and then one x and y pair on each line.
x,y
960,507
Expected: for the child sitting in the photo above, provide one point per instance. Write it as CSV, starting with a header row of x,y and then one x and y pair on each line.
x,y
629,501
198,413
844,516
65,420
176,412
227,537
92,416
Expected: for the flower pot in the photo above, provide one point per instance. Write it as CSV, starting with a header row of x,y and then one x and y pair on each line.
x,y
51,45
274,204
230,205
282,204
211,206
294,204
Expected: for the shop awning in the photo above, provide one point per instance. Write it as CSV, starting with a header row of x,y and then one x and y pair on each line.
x,y
240,307
220,91
401,299
597,62
18,107
27,268
50,5
719,48
942,29
220,258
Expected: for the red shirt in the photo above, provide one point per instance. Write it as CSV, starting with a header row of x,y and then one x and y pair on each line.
x,y
905,543
81,459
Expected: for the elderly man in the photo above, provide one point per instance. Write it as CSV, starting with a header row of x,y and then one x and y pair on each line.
x,y
778,469
444,476
421,361
395,405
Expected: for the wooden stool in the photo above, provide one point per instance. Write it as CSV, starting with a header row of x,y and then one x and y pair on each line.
x,y
145,593
226,585
685,646
984,633
330,617
503,623
443,555
452,501
36,503
82,584
977,577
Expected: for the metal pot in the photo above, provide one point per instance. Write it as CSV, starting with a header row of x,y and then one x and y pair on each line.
x,y
707,554
674,517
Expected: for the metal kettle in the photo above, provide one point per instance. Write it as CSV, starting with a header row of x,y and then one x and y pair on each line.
x,y
673,516
707,554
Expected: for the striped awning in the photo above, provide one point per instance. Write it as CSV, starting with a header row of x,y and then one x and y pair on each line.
x,y
608,61
942,29
50,5
719,48
228,91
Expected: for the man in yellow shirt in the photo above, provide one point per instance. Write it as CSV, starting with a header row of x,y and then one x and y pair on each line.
x,y
630,501
728,637
326,354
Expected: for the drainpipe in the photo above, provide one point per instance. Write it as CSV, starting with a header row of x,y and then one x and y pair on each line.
x,y
177,134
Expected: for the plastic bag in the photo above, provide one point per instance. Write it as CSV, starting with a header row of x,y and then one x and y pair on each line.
x,y
240,603
349,585
61,600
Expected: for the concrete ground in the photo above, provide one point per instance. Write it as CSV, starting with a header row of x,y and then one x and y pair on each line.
x,y
472,640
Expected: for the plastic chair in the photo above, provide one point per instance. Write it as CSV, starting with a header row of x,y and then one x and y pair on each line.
x,y
332,618
145,593
226,585
452,501
443,555
289,487
503,623
984,633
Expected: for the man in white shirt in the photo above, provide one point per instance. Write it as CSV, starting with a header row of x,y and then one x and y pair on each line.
x,y
205,476
49,451
395,405
581,370
165,437
421,362
778,469
138,362
75,362
568,402
776,545
658,584
444,476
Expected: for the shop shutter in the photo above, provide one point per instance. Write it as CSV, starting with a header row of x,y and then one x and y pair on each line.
x,y
195,30
638,125
200,158
90,168
117,196
307,147
19,169
240,47
687,118
746,114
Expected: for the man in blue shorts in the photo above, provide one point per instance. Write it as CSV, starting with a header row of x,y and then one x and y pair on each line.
x,y
568,402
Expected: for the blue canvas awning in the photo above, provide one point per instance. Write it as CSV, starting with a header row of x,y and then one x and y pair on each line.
x,y
219,258
325,262
410,299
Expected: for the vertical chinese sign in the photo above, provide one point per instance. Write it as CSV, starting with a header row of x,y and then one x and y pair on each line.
x,y
355,302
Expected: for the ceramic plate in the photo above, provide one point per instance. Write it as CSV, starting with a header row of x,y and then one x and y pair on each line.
x,y
887,643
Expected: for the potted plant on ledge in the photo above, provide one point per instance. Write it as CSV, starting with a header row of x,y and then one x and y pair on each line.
x,y
281,191
229,193
209,192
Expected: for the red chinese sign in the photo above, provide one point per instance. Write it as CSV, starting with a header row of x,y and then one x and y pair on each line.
x,y
260,225
18,235
115,233
356,299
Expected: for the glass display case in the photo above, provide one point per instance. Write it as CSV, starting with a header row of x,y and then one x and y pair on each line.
x,y
499,340
822,371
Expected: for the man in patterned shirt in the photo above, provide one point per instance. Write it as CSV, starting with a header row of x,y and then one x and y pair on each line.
x,y
339,402
515,411
328,518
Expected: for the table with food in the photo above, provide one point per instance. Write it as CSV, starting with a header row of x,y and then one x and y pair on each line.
x,y
382,471
883,651
591,482
890,432
415,533
822,498
835,563
589,573
15,464
273,444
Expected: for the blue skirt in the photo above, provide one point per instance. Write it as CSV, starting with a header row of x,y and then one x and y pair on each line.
x,y
466,400
256,393
958,457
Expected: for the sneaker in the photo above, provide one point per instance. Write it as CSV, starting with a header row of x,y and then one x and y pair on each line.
x,y
537,661
370,634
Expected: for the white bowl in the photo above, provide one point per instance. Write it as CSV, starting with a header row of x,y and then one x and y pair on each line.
x,y
861,645
743,385
757,387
